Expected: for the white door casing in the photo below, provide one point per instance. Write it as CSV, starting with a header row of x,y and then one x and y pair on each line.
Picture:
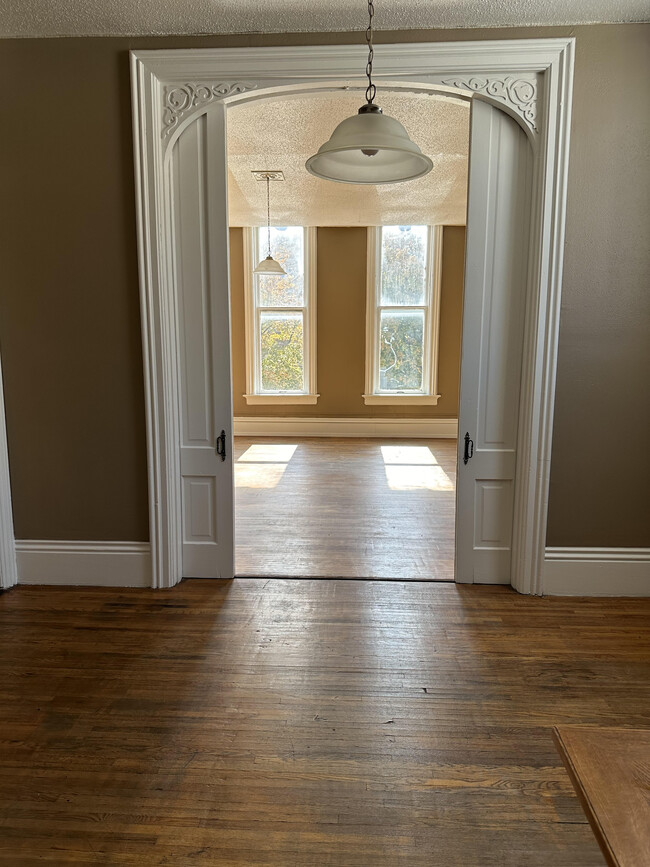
x,y
493,317
531,80
8,570
198,168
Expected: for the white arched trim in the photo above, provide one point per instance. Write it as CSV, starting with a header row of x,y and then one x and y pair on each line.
x,y
245,92
530,79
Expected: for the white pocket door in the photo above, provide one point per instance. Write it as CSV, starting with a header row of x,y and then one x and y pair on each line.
x,y
493,327
198,166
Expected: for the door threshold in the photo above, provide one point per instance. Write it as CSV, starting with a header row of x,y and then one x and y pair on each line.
x,y
247,576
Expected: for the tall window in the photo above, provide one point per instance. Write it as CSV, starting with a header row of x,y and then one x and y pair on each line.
x,y
281,317
402,314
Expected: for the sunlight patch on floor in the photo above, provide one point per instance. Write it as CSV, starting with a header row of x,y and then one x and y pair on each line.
x,y
273,453
414,468
408,455
418,478
262,465
258,475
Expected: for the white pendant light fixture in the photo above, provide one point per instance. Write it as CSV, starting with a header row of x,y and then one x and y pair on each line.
x,y
370,147
268,265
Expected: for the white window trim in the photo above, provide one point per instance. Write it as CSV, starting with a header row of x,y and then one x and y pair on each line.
x,y
253,395
430,395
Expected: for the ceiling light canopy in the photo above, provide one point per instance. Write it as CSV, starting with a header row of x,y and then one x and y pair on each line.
x,y
370,147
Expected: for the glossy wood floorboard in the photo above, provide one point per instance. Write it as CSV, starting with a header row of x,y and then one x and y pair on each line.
x,y
282,723
345,508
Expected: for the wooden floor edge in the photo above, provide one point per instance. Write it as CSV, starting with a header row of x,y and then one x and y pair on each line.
x,y
583,797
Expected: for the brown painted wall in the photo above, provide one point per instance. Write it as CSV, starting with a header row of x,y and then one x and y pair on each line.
x,y
341,338
600,467
69,310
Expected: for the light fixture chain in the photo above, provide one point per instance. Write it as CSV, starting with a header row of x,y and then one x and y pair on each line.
x,y
268,212
371,90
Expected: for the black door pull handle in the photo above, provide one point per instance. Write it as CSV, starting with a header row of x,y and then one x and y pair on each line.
x,y
469,448
221,445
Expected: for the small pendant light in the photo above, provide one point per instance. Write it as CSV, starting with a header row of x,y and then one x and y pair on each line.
x,y
268,265
370,147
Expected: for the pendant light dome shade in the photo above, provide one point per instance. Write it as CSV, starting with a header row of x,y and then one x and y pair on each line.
x,y
369,148
268,265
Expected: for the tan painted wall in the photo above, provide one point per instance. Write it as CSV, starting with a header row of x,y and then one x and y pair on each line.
x,y
341,338
69,309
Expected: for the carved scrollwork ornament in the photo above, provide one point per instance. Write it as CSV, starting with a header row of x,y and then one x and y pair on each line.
x,y
179,100
520,94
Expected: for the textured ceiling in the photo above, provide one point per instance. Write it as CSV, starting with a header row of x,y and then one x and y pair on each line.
x,y
142,17
281,134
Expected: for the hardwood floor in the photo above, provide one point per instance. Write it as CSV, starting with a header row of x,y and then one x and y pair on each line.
x,y
305,723
345,508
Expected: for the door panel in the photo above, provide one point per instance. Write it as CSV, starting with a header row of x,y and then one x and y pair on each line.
x,y
204,329
493,325
200,514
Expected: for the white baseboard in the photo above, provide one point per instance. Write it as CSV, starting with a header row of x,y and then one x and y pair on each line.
x,y
567,571
95,564
596,572
409,428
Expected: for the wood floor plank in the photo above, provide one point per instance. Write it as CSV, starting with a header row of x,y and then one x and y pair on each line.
x,y
284,722
345,507
610,771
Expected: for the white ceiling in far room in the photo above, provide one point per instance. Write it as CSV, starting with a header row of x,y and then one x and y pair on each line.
x,y
282,134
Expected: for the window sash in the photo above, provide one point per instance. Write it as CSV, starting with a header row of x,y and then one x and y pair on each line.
x,y
390,308
279,313
260,251
427,286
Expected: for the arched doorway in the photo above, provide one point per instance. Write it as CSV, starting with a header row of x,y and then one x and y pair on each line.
x,y
163,107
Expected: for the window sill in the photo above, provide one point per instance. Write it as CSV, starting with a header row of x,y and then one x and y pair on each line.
x,y
281,399
401,399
